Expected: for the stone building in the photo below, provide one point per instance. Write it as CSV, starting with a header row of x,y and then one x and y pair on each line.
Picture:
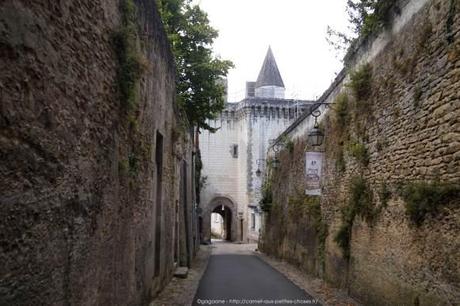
x,y
233,155
97,200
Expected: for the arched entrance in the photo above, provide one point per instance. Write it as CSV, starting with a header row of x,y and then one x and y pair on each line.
x,y
222,226
227,210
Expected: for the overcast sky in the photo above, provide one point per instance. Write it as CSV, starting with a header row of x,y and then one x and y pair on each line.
x,y
296,31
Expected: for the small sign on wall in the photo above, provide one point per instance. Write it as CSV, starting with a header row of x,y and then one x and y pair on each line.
x,y
313,163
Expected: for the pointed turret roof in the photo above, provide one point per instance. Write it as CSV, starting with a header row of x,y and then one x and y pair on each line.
x,y
269,75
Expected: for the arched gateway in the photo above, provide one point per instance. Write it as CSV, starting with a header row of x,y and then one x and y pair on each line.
x,y
227,209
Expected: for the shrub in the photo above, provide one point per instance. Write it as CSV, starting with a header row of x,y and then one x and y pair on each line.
x,y
342,110
343,238
361,82
384,195
360,200
267,196
422,199
359,152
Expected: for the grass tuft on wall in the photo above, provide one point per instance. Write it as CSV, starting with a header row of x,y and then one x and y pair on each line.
x,y
131,64
423,199
361,82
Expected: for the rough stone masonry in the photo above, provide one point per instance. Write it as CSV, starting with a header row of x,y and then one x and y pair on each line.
x,y
82,178
386,227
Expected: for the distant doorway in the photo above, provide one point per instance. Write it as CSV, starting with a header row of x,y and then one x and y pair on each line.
x,y
224,223
221,223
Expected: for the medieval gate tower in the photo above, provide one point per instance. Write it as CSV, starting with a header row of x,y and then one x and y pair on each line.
x,y
232,155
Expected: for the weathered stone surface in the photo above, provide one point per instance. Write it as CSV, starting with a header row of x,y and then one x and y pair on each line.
x,y
408,138
77,224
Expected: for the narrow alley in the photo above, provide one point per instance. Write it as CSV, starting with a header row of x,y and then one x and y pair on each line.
x,y
229,152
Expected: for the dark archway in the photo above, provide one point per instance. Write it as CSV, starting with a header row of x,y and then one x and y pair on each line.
x,y
226,214
229,214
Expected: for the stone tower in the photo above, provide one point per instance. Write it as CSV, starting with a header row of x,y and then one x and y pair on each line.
x,y
232,155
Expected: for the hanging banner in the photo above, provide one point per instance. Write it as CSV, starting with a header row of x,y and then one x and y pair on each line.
x,y
313,163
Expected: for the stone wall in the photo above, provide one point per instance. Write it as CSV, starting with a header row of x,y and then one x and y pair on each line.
x,y
79,197
400,143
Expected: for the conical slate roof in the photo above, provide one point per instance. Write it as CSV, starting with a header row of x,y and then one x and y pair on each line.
x,y
269,75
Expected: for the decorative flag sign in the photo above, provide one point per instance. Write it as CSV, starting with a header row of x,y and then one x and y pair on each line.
x,y
313,163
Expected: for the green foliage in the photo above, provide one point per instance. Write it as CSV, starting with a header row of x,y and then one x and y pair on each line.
x,y
287,143
373,15
343,238
267,196
200,91
360,204
310,205
342,111
366,17
360,201
422,199
359,152
130,61
384,194
361,82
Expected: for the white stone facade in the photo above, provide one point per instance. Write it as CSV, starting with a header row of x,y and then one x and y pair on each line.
x,y
232,155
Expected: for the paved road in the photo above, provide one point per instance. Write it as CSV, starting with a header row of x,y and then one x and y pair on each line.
x,y
235,278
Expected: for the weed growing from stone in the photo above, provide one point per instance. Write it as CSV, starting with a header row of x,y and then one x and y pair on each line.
x,y
266,200
131,65
423,199
384,195
360,204
341,106
361,83
359,152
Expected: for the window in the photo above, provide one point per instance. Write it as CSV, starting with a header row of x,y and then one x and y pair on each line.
x,y
234,151
253,221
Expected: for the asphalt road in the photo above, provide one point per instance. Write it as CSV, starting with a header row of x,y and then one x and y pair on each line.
x,y
234,279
